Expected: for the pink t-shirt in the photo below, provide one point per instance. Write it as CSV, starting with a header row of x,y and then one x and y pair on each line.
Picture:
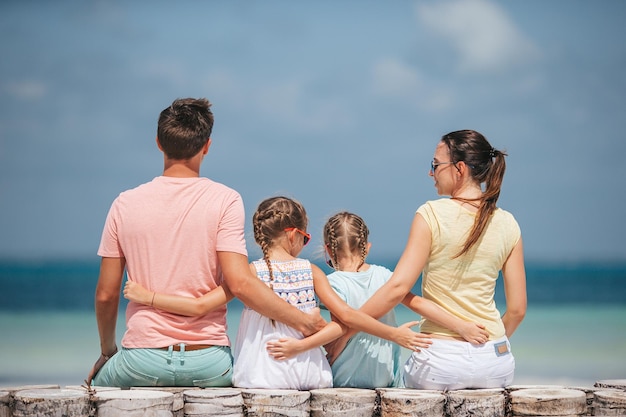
x,y
170,230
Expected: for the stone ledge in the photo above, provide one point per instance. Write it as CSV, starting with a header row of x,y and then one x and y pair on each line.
x,y
605,398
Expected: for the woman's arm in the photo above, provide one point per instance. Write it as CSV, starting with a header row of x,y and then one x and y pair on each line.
x,y
288,347
406,273
514,275
186,306
472,332
356,319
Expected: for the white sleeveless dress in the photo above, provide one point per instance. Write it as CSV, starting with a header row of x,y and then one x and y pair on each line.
x,y
254,367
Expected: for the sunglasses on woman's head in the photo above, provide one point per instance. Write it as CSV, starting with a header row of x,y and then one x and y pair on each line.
x,y
307,237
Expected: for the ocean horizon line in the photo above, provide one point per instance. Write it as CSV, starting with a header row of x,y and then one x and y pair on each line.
x,y
375,259
70,284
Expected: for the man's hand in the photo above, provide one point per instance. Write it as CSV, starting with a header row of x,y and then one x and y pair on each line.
x,y
314,322
98,365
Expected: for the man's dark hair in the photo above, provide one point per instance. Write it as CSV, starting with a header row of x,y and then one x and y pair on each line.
x,y
185,127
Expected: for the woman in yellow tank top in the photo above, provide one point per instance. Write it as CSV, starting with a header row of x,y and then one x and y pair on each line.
x,y
460,244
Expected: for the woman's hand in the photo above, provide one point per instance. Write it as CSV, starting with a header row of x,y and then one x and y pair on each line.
x,y
473,332
284,348
135,292
407,338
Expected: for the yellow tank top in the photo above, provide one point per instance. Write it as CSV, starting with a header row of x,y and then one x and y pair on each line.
x,y
465,286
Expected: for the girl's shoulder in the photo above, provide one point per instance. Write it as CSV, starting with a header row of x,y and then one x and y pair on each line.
x,y
380,268
274,261
380,273
375,273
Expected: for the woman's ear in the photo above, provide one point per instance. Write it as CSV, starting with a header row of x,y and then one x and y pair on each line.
x,y
461,168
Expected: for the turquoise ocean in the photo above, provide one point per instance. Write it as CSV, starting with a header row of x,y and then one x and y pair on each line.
x,y
574,332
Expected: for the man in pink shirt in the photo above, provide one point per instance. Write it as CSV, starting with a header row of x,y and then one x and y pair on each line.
x,y
178,234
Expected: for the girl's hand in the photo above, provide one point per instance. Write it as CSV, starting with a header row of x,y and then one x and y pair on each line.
x,y
284,348
407,338
473,332
137,293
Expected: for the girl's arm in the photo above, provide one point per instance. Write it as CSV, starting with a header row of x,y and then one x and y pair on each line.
x,y
356,319
514,275
288,347
185,306
472,332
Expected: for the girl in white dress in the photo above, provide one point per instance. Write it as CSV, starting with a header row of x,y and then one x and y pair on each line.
x,y
280,230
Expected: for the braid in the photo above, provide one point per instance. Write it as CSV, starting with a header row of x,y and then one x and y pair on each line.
x,y
346,234
264,243
270,220
330,240
362,239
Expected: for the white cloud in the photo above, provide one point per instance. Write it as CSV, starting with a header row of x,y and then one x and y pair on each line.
x,y
292,103
439,101
485,38
289,103
393,78
26,90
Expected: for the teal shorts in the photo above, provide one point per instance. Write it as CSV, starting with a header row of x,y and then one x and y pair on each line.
x,y
211,367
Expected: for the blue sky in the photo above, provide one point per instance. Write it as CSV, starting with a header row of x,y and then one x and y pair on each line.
x,y
339,104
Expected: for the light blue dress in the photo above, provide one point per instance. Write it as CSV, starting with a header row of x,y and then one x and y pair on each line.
x,y
367,361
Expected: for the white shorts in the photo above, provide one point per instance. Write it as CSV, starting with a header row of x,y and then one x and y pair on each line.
x,y
448,365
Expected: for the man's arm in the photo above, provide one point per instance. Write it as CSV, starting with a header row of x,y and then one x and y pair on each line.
x,y
108,301
107,305
258,296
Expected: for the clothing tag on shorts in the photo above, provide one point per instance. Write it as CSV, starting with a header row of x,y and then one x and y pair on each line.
x,y
501,348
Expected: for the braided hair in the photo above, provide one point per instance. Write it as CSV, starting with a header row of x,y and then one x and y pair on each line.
x,y
272,217
346,234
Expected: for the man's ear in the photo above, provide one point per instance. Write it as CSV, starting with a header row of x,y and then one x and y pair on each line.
x,y
159,144
206,147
